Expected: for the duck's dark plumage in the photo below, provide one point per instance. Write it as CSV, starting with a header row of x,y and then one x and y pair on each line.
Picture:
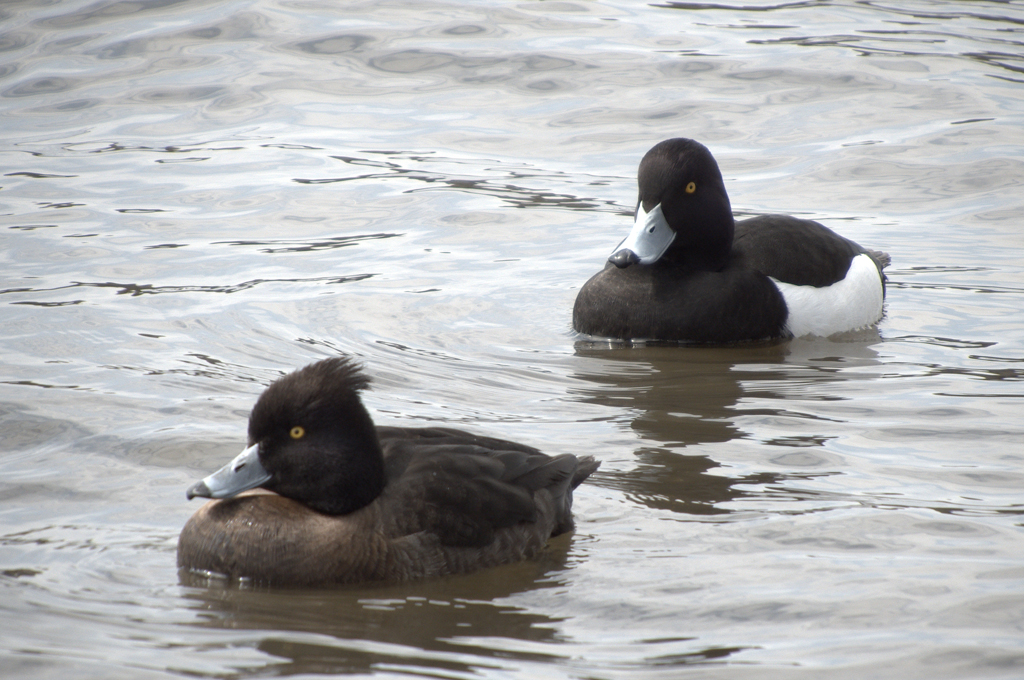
x,y
353,503
712,280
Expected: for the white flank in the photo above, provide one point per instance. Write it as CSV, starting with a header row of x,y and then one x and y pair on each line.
x,y
854,302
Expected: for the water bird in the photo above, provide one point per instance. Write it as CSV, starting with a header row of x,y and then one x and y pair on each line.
x,y
687,272
321,496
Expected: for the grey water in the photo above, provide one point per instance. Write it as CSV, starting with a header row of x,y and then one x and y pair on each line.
x,y
197,196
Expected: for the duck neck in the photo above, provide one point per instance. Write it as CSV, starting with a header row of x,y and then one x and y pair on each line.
x,y
358,477
706,250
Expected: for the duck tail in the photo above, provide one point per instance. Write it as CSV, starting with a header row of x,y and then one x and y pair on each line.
x,y
881,259
583,467
586,467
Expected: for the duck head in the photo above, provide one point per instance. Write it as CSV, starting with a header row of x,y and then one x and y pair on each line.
x,y
311,440
683,215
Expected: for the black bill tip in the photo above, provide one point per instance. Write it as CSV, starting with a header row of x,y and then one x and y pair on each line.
x,y
624,258
199,489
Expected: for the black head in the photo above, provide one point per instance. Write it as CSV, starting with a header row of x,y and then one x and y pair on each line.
x,y
684,178
316,439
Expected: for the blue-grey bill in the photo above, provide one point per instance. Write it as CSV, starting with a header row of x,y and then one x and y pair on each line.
x,y
647,241
243,473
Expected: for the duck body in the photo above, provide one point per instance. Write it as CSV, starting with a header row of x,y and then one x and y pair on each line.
x,y
689,273
429,501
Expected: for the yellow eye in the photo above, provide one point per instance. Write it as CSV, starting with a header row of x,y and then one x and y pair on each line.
x,y
297,432
691,187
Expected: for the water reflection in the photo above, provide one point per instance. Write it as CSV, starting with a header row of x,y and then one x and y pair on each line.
x,y
932,32
137,289
505,184
424,625
682,397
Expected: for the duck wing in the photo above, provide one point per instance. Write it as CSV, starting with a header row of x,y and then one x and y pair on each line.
x,y
465,489
797,251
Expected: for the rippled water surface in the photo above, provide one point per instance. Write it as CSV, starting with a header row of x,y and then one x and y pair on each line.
x,y
199,195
